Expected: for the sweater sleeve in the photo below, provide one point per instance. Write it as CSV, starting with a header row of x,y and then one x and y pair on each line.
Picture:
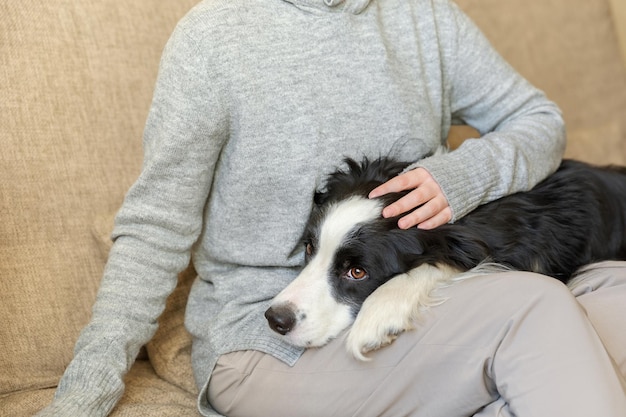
x,y
523,134
160,220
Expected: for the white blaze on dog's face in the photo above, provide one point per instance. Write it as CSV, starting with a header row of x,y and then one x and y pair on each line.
x,y
309,312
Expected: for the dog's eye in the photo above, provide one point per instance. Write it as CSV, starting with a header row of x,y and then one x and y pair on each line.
x,y
308,248
357,274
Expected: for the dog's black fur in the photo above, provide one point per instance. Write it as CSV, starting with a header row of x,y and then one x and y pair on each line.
x,y
575,217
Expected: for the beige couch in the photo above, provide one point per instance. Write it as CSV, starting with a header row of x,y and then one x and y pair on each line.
x,y
75,85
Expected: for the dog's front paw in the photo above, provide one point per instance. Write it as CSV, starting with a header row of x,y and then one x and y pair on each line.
x,y
366,337
395,307
384,315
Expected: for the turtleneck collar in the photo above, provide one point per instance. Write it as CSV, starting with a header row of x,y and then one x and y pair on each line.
x,y
350,6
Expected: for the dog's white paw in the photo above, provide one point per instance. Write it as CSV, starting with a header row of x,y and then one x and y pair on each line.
x,y
395,307
381,319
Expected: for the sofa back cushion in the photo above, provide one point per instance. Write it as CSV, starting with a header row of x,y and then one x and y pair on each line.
x,y
76,82
569,49
618,10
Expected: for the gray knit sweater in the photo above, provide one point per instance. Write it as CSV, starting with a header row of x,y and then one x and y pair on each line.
x,y
256,101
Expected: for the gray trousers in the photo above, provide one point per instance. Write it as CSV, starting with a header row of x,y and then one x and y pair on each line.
x,y
507,344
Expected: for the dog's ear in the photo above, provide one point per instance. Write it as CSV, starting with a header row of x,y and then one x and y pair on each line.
x,y
408,246
359,178
464,247
448,244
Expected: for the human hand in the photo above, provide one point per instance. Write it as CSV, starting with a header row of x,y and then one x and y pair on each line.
x,y
426,203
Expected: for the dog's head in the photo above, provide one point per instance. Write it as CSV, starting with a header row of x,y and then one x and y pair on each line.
x,y
350,251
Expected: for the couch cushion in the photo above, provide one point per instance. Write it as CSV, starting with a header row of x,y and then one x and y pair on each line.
x,y
146,395
569,49
75,85
618,9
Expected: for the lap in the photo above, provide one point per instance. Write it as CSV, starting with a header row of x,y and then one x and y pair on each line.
x,y
447,366
601,290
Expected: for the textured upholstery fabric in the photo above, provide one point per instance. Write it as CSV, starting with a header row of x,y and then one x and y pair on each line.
x,y
146,395
618,9
568,49
75,85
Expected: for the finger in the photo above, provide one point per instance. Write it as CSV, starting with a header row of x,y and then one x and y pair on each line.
x,y
410,201
439,219
428,214
406,181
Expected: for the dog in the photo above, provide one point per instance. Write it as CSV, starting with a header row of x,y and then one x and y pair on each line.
x,y
362,270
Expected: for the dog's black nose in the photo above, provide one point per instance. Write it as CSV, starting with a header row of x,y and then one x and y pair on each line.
x,y
281,319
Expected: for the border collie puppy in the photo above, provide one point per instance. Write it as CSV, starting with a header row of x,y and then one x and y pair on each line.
x,y
362,270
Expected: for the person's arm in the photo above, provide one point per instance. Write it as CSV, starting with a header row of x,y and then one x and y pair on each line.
x,y
159,222
523,134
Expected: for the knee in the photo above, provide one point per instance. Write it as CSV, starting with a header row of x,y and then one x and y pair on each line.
x,y
608,274
527,283
525,290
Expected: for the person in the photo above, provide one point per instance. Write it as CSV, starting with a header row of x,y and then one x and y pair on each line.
x,y
255,102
